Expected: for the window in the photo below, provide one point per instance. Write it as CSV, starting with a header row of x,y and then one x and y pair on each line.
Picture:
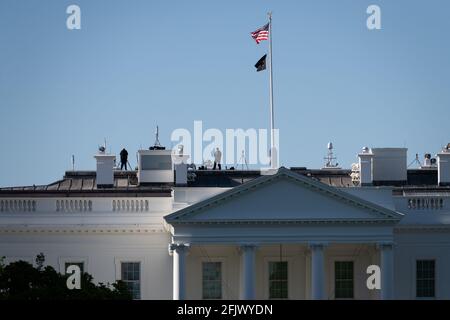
x,y
278,280
131,276
425,278
156,162
343,279
212,280
79,264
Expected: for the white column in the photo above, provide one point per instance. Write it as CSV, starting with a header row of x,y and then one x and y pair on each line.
x,y
317,271
179,251
387,270
248,271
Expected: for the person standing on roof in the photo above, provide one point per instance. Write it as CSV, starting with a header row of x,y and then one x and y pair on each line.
x,y
217,159
123,159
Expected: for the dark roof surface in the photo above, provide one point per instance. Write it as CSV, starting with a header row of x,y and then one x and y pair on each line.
x,y
331,177
126,182
83,183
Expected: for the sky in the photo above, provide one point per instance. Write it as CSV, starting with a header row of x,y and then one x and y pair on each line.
x,y
137,64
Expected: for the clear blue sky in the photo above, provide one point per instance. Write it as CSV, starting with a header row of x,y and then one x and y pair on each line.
x,y
135,64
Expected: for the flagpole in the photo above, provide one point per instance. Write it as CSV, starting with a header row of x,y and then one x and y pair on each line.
x,y
273,151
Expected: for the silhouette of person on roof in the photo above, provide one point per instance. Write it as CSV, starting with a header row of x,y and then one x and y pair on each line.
x,y
217,159
123,159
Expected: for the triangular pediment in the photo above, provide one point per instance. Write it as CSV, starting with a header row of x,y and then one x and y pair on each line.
x,y
284,196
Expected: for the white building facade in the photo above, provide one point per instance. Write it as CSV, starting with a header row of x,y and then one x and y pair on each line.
x,y
174,233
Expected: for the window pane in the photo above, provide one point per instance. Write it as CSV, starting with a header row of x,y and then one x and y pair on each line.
x,y
131,277
278,280
343,283
425,278
212,280
156,162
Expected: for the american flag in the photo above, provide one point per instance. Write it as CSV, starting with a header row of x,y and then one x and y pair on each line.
x,y
261,34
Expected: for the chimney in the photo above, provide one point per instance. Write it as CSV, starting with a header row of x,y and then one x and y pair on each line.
x,y
443,164
365,167
105,169
179,160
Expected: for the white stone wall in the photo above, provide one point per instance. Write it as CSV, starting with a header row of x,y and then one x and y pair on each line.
x,y
105,235
101,254
414,245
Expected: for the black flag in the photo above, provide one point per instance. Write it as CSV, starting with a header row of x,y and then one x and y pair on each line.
x,y
261,64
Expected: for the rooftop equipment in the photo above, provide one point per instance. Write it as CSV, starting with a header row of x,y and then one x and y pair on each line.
x,y
429,162
105,168
157,145
155,165
330,158
380,166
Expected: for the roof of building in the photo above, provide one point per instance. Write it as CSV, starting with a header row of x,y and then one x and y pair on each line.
x,y
126,182
378,212
83,183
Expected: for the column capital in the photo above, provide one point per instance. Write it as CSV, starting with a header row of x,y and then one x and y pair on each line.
x,y
178,247
248,247
317,245
385,245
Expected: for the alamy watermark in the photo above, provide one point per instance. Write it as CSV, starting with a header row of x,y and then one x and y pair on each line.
x,y
73,21
250,146
374,280
373,22
74,280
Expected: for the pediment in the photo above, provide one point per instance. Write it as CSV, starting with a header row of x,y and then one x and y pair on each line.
x,y
285,196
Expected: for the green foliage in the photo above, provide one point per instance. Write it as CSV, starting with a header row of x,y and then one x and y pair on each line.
x,y
21,281
40,259
2,261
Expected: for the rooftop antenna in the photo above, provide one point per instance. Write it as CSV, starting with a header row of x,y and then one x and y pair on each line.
x,y
157,145
415,161
104,143
243,161
330,158
73,162
137,158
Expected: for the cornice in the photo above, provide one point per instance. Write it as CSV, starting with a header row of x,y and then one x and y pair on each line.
x,y
71,230
288,221
422,227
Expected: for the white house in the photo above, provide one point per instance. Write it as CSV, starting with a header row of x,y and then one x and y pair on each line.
x,y
297,233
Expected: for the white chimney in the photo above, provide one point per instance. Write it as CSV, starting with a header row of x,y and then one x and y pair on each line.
x,y
105,170
443,164
180,166
365,167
